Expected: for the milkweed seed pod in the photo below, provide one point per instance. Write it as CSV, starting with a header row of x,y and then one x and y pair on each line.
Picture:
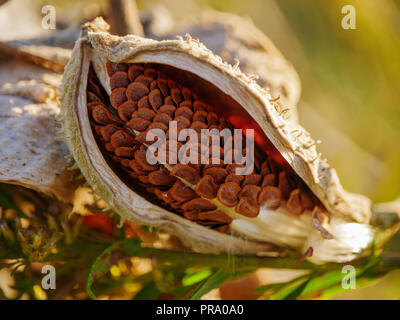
x,y
118,91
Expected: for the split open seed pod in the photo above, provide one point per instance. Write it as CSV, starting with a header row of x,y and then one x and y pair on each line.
x,y
117,90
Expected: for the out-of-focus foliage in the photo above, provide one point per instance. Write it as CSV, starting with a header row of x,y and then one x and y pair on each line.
x,y
95,259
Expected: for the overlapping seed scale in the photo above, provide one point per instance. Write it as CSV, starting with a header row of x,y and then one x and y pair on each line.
x,y
144,98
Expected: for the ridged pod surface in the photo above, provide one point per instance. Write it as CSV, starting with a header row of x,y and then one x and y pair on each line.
x,y
115,89
31,155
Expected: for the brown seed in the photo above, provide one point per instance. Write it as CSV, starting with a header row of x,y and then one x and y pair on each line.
x,y
223,229
143,179
126,152
97,129
212,118
181,192
218,174
93,104
118,97
144,102
200,116
144,113
145,80
234,178
184,112
153,85
134,71
199,106
250,191
136,167
197,126
136,91
109,147
125,162
176,205
198,204
119,80
206,187
155,99
167,109
107,131
247,207
187,104
270,197
182,122
168,100
253,179
158,125
215,215
122,139
102,116
186,172
228,194
293,205
138,124
191,215
163,118
141,159
163,86
269,180
161,178
176,96
126,109
141,137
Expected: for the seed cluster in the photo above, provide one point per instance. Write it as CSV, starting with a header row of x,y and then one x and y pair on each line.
x,y
144,98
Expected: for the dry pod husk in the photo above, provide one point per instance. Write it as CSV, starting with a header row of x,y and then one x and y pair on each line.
x,y
31,154
117,88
